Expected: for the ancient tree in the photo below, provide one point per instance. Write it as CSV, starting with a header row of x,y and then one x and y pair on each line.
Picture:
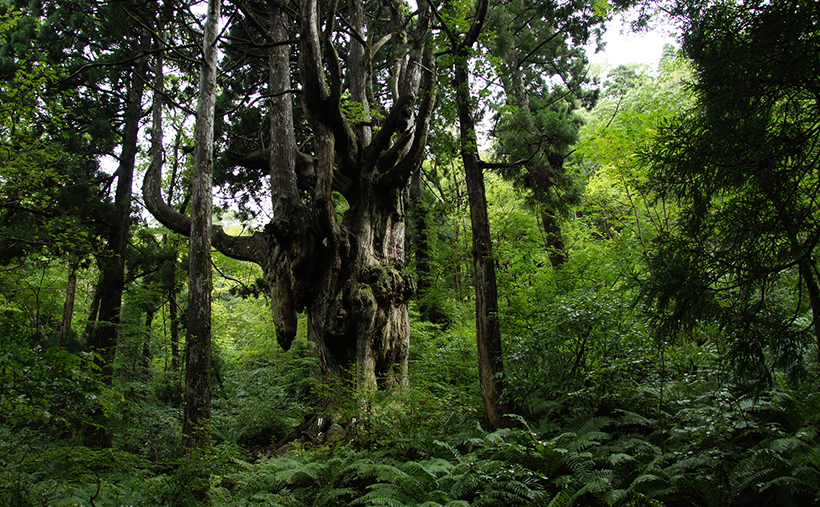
x,y
339,162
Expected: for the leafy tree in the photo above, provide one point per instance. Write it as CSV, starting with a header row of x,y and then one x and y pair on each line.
x,y
543,69
49,179
742,165
488,328
102,68
537,124
617,198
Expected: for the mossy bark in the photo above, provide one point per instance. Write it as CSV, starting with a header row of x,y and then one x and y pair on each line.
x,y
348,275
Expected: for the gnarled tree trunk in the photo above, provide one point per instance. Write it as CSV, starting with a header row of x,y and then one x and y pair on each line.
x,y
348,275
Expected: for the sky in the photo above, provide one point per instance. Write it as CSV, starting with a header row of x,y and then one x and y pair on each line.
x,y
623,46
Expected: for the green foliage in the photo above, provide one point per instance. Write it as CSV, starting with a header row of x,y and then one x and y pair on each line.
x,y
439,240
73,476
613,410
49,182
45,388
46,398
617,199
261,399
740,164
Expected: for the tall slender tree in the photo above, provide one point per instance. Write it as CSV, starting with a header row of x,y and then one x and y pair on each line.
x,y
102,65
544,73
488,328
195,431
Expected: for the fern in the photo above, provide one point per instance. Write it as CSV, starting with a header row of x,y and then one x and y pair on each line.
x,y
788,468
564,498
465,479
316,481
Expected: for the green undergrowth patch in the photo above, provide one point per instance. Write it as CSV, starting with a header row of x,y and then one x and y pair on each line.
x,y
703,445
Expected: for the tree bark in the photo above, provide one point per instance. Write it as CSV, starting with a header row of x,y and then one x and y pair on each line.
x,y
146,343
93,310
103,338
348,275
488,329
173,314
112,282
554,239
807,274
68,307
197,415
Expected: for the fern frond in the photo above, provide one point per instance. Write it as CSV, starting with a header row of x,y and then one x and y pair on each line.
x,y
689,463
757,469
614,496
589,440
385,472
786,445
644,479
506,493
617,458
580,462
788,483
385,494
564,498
451,449
634,419
434,467
329,494
463,484
595,425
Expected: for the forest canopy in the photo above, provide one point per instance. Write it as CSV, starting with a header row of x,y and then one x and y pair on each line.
x,y
376,252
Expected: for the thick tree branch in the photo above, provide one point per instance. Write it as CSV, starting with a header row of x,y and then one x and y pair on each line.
x,y
249,248
263,31
396,122
477,26
414,157
245,248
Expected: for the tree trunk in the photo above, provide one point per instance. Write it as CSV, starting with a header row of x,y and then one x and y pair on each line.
x,y
347,275
173,313
68,307
103,338
421,245
93,310
807,274
360,321
195,430
553,238
146,343
112,282
488,330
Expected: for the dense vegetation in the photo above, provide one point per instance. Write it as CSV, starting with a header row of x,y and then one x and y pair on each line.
x,y
658,299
